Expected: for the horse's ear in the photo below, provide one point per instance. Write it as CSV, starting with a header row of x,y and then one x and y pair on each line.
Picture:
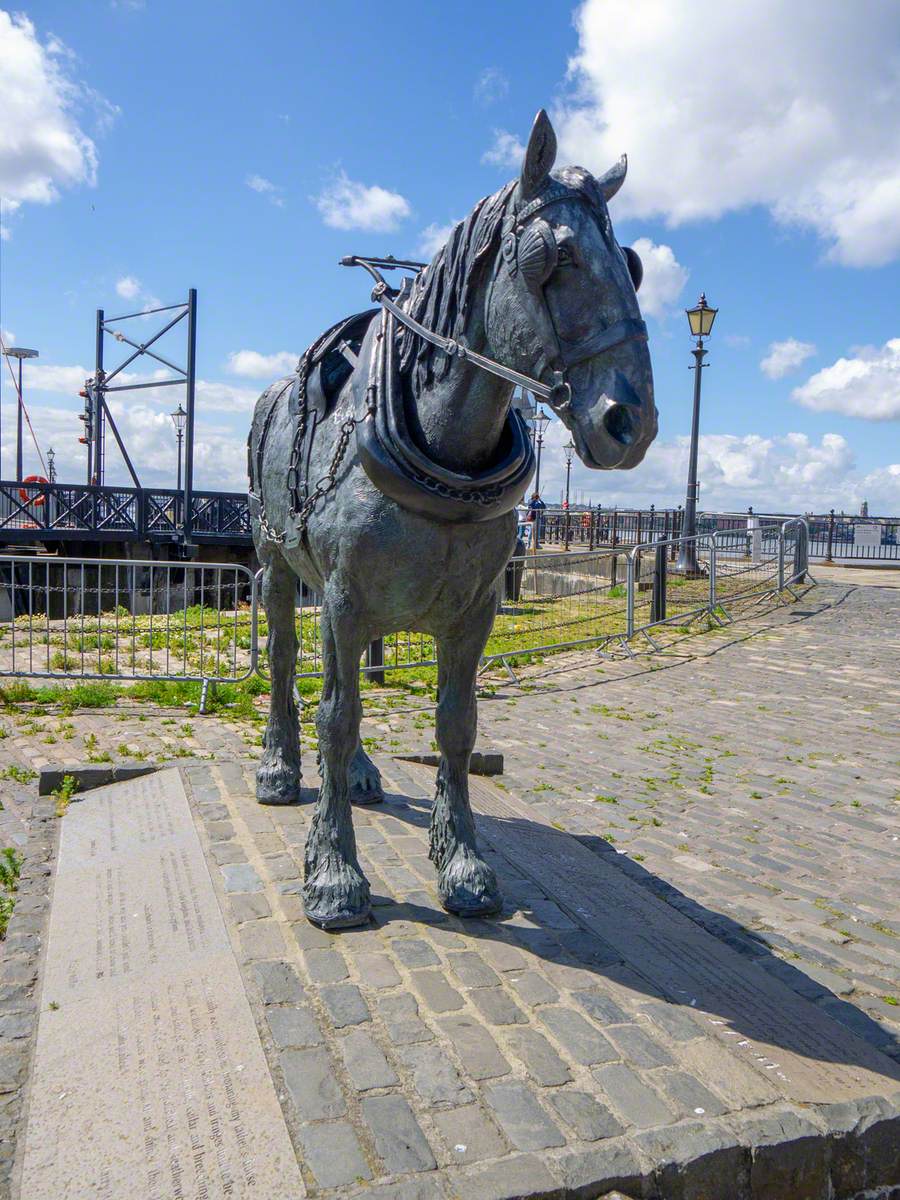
x,y
610,183
539,157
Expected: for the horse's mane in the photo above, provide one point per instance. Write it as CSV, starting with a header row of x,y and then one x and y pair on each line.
x,y
440,294
439,298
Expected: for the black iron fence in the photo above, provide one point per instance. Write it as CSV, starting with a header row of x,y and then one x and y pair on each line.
x,y
831,536
45,512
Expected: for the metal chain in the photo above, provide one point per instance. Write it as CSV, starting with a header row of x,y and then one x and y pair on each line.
x,y
298,517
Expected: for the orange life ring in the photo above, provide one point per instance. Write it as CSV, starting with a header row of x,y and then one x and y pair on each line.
x,y
26,496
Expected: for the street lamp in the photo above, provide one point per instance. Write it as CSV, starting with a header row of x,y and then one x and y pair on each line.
x,y
51,465
568,450
701,319
19,352
541,421
179,416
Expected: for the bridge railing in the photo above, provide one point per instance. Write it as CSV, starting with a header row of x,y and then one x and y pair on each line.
x,y
70,511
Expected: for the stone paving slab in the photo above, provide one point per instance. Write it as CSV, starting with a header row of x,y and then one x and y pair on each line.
x,y
148,1079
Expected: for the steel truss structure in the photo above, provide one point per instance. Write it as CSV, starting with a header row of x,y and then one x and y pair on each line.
x,y
97,416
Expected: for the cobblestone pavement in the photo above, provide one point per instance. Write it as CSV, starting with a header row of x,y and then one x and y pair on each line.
x,y
753,782
748,778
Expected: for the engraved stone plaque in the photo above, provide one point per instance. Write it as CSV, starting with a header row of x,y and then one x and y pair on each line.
x,y
149,1077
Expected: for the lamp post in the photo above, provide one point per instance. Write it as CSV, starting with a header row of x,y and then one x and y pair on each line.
x,y
51,465
568,449
701,319
541,421
20,353
179,416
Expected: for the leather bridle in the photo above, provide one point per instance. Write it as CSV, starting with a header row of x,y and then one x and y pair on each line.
x,y
555,356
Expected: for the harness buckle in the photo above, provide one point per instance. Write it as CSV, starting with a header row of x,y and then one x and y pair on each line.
x,y
560,397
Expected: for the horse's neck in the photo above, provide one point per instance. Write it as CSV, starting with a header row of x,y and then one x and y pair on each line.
x,y
459,420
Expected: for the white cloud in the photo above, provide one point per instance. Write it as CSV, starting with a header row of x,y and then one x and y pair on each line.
x,y
492,85
866,386
433,237
265,187
792,106
224,397
212,396
128,287
786,356
790,473
7,337
42,145
347,204
664,277
505,151
250,364
44,377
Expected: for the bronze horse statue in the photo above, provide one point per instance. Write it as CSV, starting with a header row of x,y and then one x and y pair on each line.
x,y
384,474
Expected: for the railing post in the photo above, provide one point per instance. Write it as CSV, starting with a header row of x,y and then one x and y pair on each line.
x,y
828,552
629,602
713,599
592,513
781,559
658,598
375,660
614,538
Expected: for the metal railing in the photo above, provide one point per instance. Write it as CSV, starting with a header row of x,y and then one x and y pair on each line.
x,y
831,535
68,618
48,512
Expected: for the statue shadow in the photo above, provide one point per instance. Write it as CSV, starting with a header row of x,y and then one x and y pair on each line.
x,y
533,922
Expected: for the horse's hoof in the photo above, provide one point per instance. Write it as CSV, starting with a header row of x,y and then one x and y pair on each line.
x,y
277,784
365,780
337,897
468,887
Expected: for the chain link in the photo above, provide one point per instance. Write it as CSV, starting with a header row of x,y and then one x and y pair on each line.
x,y
299,514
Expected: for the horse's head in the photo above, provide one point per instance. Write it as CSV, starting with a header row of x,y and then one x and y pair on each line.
x,y
563,306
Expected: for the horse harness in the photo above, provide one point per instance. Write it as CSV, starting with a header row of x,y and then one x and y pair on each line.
x,y
310,391
387,453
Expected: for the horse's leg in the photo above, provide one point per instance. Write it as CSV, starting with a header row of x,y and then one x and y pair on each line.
x,y
466,884
365,779
336,893
278,776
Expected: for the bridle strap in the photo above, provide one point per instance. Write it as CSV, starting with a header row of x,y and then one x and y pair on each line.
x,y
557,394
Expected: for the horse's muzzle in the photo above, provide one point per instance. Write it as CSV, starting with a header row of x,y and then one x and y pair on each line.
x,y
615,430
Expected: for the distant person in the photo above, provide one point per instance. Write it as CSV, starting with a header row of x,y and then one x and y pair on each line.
x,y
536,508
535,505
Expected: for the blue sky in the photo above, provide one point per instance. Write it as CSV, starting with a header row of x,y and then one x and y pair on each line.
x,y
243,149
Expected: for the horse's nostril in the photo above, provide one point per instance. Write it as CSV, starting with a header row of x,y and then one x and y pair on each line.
x,y
620,424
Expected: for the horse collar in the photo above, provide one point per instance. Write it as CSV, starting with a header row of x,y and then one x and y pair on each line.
x,y
401,470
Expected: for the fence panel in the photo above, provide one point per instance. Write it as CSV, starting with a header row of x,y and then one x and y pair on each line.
x,y
553,601
69,618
